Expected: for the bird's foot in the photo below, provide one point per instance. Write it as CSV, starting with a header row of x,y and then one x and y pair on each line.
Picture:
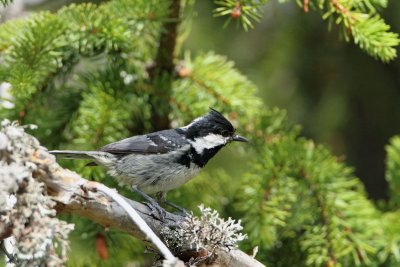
x,y
157,211
161,197
181,210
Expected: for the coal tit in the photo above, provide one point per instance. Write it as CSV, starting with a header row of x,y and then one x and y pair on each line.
x,y
157,162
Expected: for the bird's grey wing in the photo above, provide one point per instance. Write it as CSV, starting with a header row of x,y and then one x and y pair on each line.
x,y
154,143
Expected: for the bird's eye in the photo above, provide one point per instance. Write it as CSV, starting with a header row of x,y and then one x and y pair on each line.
x,y
225,134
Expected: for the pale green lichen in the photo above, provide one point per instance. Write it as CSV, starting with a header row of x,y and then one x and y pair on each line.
x,y
206,232
39,238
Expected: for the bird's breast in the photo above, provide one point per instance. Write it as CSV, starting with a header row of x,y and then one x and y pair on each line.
x,y
170,178
155,173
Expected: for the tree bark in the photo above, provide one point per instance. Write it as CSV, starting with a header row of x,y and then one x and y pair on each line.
x,y
76,195
162,71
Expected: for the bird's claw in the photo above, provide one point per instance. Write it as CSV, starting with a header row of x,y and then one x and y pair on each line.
x,y
181,210
156,210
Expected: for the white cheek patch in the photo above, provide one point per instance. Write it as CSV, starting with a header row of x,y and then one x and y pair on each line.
x,y
208,141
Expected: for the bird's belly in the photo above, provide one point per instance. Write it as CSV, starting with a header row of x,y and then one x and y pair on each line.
x,y
152,174
168,180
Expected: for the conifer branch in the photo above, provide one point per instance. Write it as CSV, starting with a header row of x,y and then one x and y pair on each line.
x,y
359,20
212,80
339,7
392,170
210,90
326,222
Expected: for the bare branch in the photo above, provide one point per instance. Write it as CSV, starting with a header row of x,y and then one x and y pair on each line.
x,y
140,223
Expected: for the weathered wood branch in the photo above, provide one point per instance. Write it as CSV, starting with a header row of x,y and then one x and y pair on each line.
x,y
74,194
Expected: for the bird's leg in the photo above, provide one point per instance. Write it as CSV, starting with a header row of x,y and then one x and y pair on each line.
x,y
180,209
161,197
152,204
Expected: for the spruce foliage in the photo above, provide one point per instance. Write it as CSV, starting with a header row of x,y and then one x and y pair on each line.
x,y
359,20
86,76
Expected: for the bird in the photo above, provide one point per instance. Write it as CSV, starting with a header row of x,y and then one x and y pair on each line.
x,y
155,163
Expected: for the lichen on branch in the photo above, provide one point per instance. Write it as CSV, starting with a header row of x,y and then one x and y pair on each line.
x,y
40,238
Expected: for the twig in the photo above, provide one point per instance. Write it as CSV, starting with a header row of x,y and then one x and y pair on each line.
x,y
339,6
324,217
210,90
305,5
141,224
341,9
326,222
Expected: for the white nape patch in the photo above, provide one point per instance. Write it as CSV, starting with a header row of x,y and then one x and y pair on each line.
x,y
190,124
208,141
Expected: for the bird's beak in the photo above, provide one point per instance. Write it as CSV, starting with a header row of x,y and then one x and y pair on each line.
x,y
239,138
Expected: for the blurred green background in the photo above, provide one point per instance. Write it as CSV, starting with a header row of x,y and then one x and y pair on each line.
x,y
342,97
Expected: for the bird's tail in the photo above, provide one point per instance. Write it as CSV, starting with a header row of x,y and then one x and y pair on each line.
x,y
99,157
74,154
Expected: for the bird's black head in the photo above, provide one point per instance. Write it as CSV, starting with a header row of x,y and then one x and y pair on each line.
x,y
208,134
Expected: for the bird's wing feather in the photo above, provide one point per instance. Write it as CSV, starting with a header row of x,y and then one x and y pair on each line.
x,y
154,143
